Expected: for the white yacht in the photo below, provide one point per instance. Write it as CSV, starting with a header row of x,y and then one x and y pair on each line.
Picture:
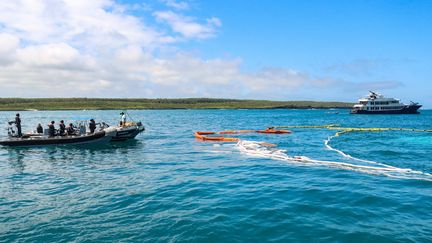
x,y
378,104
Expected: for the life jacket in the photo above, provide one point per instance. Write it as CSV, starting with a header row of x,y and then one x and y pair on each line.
x,y
92,126
51,131
70,130
62,128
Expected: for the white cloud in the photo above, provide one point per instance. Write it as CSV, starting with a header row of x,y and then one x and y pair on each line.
x,y
187,26
48,55
73,48
213,21
82,23
179,5
8,45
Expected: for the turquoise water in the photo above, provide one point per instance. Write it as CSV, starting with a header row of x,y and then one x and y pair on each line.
x,y
167,186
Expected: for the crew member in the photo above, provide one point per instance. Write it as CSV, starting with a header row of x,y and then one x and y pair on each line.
x,y
92,125
18,124
62,128
70,129
122,119
39,128
51,129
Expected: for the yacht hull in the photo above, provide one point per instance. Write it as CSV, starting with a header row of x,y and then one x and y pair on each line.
x,y
409,109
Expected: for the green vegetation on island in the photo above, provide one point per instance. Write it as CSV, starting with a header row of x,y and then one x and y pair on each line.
x,y
187,103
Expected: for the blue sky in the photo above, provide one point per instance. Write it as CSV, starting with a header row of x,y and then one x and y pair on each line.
x,y
279,50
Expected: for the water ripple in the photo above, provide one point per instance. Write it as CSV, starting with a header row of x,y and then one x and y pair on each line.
x,y
166,186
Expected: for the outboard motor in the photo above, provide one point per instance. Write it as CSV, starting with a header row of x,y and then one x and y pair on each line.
x,y
11,131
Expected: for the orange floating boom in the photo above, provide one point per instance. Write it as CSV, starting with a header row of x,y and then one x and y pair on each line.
x,y
235,131
273,131
202,135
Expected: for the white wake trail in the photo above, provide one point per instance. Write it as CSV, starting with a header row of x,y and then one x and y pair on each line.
x,y
260,149
326,143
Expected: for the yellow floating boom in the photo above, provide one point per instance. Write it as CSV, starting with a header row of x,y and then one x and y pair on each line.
x,y
356,129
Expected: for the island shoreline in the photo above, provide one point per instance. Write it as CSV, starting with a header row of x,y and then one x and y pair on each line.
x,y
29,104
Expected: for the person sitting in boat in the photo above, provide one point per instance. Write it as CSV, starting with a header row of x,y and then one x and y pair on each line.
x,y
51,129
62,128
92,125
17,123
70,129
39,128
122,119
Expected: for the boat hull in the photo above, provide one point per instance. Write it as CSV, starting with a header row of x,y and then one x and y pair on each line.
x,y
97,137
409,109
125,133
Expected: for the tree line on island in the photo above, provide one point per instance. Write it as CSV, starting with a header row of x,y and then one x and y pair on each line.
x,y
185,103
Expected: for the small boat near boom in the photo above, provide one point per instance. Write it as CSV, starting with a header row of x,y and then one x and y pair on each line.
x,y
128,131
78,136
83,133
98,137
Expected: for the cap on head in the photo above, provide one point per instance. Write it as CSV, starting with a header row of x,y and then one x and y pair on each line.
x,y
92,119
17,114
61,121
121,113
52,122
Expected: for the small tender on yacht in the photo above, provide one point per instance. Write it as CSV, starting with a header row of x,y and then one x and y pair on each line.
x,y
376,103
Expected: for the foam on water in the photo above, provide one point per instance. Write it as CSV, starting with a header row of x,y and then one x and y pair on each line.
x,y
259,149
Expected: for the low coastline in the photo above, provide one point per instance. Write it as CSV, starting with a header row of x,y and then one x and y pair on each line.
x,y
16,104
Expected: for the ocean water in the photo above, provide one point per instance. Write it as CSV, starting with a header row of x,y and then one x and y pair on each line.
x,y
166,186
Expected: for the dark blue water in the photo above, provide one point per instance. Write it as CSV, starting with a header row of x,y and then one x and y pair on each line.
x,y
167,186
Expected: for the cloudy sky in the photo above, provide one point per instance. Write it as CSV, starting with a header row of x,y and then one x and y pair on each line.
x,y
278,50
